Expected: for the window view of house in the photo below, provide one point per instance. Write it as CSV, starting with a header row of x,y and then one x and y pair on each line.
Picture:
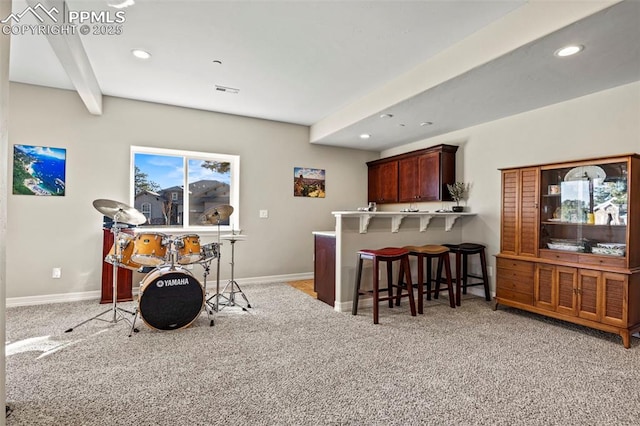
x,y
159,188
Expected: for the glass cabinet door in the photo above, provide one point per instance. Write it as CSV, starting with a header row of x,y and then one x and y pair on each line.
x,y
584,209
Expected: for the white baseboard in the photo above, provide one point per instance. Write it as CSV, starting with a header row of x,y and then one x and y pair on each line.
x,y
96,294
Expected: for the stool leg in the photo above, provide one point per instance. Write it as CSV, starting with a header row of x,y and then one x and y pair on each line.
x,y
438,277
420,285
458,281
465,259
390,282
428,277
485,278
356,287
412,302
447,270
376,296
400,283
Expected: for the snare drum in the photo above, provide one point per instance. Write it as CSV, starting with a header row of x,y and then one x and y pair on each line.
x,y
150,249
170,298
209,251
125,250
188,248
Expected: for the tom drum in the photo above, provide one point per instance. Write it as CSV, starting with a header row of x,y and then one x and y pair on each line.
x,y
150,249
188,249
170,298
125,251
209,251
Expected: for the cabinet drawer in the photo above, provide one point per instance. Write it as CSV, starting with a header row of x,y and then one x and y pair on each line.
x,y
516,265
556,255
514,296
515,280
594,259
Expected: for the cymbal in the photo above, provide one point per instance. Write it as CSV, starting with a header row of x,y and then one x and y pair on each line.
x,y
215,214
124,213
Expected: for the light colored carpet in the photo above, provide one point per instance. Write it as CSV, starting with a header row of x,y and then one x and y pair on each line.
x,y
292,360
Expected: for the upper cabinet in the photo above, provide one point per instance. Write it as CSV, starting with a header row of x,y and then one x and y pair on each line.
x,y
415,176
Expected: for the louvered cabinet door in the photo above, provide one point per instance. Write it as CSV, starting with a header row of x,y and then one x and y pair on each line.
x,y
528,207
567,284
509,222
614,300
519,225
544,287
589,294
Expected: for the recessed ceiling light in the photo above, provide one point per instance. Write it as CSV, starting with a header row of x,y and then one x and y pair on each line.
x,y
569,50
426,123
217,62
386,115
365,136
141,54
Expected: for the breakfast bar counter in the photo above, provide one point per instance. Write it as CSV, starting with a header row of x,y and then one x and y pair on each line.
x,y
335,250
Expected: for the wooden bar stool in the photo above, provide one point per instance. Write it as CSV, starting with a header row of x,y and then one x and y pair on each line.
x,y
428,253
462,252
387,255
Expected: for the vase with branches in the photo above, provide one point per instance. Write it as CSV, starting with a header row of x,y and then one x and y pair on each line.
x,y
458,191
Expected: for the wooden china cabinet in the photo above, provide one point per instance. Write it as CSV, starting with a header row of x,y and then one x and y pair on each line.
x,y
570,242
414,176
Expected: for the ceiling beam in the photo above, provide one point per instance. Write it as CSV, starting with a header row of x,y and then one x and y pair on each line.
x,y
73,58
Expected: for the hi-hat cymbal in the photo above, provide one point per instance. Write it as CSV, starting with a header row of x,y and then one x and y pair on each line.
x,y
119,212
217,214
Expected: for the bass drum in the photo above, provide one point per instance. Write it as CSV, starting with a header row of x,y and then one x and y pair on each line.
x,y
170,298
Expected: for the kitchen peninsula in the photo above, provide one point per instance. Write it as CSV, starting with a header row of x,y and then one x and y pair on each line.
x,y
335,251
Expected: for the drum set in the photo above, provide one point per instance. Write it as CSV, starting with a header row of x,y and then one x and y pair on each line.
x,y
169,297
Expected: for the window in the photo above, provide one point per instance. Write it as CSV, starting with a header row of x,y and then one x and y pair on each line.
x,y
145,208
159,178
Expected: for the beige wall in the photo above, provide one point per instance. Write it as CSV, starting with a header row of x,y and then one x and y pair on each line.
x,y
604,123
47,232
65,231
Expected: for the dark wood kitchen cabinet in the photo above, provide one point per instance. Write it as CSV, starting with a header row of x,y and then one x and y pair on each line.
x,y
414,176
383,182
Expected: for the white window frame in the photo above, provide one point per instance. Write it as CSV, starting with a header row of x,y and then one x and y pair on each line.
x,y
234,189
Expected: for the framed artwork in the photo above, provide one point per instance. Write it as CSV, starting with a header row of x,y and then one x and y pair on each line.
x,y
39,170
308,182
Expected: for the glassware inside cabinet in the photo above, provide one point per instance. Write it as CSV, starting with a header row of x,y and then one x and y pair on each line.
x,y
584,208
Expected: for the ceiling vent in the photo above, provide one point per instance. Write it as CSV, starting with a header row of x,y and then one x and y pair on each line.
x,y
226,89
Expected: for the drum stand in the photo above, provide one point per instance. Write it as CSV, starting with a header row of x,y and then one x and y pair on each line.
x,y
117,255
207,304
232,285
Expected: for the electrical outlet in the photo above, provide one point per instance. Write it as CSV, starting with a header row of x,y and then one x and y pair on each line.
x,y
264,214
56,273
490,271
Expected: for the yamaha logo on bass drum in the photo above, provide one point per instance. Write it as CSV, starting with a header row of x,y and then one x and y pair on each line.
x,y
173,282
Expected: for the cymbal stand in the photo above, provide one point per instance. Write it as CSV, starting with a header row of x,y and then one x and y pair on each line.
x,y
232,285
117,258
216,306
207,304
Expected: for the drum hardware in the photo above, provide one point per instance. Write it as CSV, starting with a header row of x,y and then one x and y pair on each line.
x,y
216,215
119,212
232,285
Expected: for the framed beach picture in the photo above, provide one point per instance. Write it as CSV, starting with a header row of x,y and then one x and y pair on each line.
x,y
39,170
308,182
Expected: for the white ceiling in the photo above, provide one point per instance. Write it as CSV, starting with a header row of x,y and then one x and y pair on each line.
x,y
307,62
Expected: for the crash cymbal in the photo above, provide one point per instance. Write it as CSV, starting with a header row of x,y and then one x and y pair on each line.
x,y
119,212
215,214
